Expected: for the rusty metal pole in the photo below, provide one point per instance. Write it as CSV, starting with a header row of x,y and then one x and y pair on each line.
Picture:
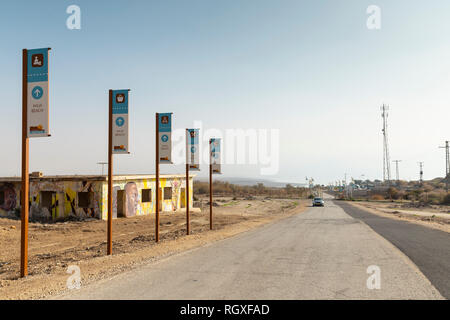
x,y
110,175
210,198
157,180
187,198
25,172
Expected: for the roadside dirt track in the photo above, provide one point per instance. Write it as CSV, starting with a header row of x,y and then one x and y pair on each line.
x,y
431,218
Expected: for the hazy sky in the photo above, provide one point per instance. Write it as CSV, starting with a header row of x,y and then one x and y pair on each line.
x,y
311,69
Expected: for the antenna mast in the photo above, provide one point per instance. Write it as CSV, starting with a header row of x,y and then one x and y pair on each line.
x,y
396,170
421,173
447,164
386,160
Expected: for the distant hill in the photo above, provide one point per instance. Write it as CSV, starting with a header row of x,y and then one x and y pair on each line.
x,y
252,182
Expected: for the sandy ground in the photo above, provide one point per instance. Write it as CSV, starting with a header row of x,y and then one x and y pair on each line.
x,y
432,217
55,247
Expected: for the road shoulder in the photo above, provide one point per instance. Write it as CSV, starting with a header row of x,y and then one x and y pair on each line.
x,y
424,247
424,220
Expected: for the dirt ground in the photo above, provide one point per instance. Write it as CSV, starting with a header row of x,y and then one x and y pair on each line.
x,y
54,247
430,216
415,206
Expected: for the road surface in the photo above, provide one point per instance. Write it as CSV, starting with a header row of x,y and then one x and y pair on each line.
x,y
322,253
428,248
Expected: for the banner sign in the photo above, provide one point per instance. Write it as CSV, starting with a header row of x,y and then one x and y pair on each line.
x,y
165,137
120,121
192,149
37,95
214,146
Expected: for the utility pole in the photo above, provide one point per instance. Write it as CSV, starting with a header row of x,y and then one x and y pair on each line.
x,y
421,172
447,164
103,166
396,170
386,160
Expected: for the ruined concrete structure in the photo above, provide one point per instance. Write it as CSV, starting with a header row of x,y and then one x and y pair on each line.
x,y
62,197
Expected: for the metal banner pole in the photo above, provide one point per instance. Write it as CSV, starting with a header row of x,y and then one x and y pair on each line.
x,y
157,181
210,198
110,175
25,171
187,200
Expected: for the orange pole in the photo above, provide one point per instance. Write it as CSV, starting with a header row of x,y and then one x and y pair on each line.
x,y
210,198
157,181
187,199
25,171
110,175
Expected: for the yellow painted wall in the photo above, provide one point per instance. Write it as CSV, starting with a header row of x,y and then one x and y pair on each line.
x,y
146,208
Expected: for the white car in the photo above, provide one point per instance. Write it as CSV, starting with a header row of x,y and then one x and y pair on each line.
x,y
318,202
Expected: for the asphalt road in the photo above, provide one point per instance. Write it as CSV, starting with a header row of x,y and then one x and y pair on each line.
x,y
322,253
428,248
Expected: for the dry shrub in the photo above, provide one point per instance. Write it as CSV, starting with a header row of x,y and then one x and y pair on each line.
x,y
376,197
433,197
446,200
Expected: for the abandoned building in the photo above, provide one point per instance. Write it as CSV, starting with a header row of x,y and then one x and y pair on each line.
x,y
63,197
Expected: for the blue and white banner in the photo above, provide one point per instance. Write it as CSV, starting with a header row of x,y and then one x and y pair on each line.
x,y
120,121
215,153
165,137
192,149
37,95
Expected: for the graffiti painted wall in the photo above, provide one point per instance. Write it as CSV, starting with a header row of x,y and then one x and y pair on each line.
x,y
53,199
10,203
65,199
128,199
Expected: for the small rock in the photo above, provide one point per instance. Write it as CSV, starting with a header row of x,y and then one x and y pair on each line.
x,y
13,227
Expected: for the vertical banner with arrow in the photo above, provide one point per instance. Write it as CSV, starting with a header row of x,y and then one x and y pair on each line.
x,y
165,137
120,121
37,93
192,149
214,145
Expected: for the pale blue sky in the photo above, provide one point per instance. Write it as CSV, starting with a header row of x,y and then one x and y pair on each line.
x,y
309,68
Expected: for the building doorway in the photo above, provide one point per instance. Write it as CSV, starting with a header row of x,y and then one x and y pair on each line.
x,y
121,203
183,198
